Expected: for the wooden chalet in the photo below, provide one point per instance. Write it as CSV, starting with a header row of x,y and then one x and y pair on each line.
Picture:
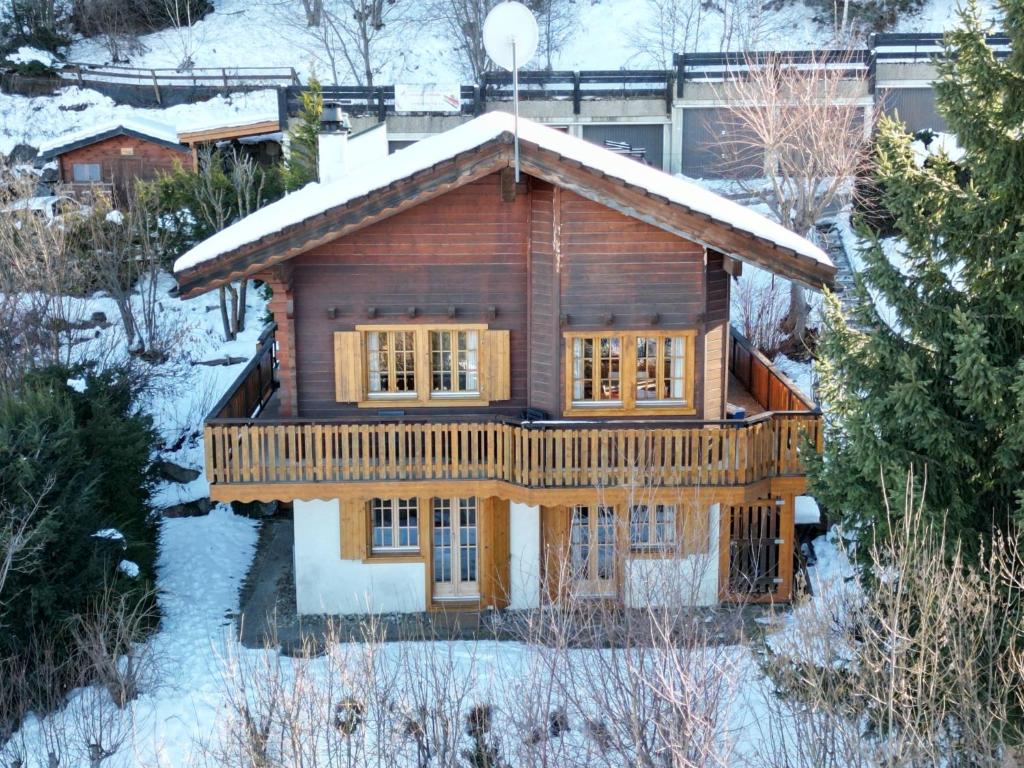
x,y
258,137
486,393
111,158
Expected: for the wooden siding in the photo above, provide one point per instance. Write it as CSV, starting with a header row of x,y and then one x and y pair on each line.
x,y
146,161
544,359
716,336
465,250
617,267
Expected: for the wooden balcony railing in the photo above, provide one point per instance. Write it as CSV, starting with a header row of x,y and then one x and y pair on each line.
x,y
530,454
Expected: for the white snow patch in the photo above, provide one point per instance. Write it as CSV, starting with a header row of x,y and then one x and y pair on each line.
x,y
27,54
78,385
110,534
317,198
806,511
944,144
115,217
129,569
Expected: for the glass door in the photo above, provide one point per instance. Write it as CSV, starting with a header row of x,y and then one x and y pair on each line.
x,y
455,549
592,550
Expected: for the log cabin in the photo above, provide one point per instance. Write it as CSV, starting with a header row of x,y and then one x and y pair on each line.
x,y
111,158
483,391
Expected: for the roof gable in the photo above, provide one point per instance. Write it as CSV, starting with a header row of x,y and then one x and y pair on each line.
x,y
322,212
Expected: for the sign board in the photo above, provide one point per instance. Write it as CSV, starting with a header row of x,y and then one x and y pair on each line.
x,y
127,150
428,97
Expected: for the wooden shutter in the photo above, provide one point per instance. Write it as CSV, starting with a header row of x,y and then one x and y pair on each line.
x,y
348,367
497,365
353,530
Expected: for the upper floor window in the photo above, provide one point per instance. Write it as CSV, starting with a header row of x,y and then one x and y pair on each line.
x,y
455,363
652,526
661,369
627,371
394,525
391,363
596,369
419,365
86,173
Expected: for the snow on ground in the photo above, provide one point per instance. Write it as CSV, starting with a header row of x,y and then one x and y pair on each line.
x,y
264,33
37,119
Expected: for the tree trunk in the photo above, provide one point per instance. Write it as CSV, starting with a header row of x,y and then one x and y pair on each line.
x,y
240,310
798,310
222,294
233,294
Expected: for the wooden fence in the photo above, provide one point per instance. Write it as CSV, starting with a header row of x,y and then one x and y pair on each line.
x,y
772,389
254,386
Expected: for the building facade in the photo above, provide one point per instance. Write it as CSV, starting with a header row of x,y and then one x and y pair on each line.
x,y
484,392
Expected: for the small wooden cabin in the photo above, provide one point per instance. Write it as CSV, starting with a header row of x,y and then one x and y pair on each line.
x,y
488,392
110,158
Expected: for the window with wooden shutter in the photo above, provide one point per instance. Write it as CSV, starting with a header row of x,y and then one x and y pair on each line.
x,y
348,367
497,375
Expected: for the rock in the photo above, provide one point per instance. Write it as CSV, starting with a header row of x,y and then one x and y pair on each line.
x,y
49,176
196,508
175,473
22,153
254,508
99,318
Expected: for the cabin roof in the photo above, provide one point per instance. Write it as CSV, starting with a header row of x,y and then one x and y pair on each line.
x,y
231,128
320,212
140,128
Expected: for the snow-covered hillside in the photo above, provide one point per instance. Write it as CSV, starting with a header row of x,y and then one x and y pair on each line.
x,y
250,33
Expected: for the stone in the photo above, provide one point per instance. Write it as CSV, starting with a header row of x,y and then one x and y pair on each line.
x,y
196,508
22,153
254,509
226,360
99,318
175,473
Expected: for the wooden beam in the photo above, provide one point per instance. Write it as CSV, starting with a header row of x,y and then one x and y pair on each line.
x,y
229,132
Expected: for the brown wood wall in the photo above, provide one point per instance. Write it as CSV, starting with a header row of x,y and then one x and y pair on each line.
x,y
716,337
549,253
619,265
466,249
147,160
543,343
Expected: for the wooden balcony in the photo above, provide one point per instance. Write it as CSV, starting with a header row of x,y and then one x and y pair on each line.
x,y
243,450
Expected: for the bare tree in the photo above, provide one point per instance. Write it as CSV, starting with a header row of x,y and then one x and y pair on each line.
x,y
38,277
798,137
114,22
462,21
353,38
759,310
668,27
184,38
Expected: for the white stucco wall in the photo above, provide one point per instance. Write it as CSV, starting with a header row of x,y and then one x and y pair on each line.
x,y
324,583
691,580
524,556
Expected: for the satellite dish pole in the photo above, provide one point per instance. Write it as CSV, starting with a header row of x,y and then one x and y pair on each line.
x,y
511,37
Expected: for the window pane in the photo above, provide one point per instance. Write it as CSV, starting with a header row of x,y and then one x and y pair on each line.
x,y
86,173
405,361
610,365
639,525
646,368
665,524
381,515
674,367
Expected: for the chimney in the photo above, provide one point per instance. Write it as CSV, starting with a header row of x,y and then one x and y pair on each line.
x,y
333,143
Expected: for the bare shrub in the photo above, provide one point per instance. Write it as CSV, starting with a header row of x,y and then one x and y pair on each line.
x,y
921,670
38,277
759,310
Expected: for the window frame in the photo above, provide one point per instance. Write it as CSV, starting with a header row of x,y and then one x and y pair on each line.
x,y
453,335
423,396
628,404
651,526
99,174
395,526
392,367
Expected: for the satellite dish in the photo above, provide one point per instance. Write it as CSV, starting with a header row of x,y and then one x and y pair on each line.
x,y
510,38
510,35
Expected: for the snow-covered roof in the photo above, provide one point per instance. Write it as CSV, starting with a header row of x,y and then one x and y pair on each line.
x,y
238,121
150,129
315,199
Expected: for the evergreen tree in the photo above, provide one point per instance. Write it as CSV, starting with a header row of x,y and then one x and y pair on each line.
x,y
303,140
933,380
